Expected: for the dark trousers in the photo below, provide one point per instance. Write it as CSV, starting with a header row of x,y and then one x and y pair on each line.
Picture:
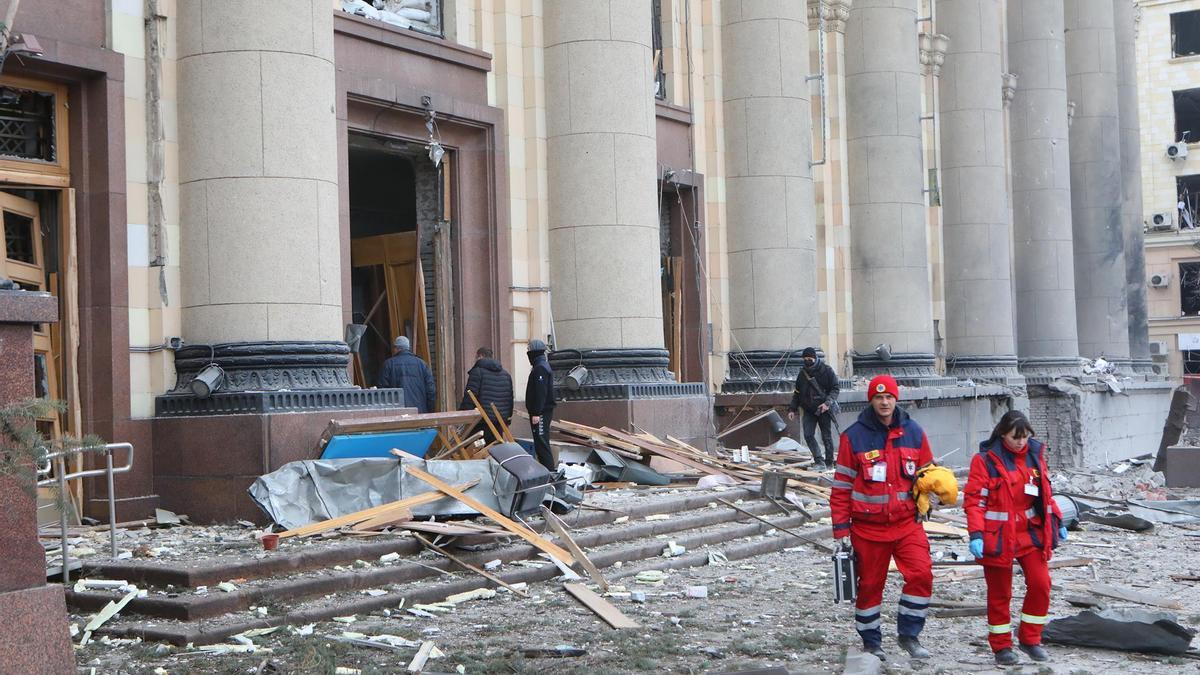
x,y
825,420
541,440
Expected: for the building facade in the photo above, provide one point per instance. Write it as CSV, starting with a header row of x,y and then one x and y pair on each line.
x,y
1169,77
678,195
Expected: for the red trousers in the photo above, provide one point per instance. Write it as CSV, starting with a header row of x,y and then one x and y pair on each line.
x,y
911,552
1033,610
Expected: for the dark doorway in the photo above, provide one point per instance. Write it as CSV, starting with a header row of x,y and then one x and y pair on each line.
x,y
685,327
395,202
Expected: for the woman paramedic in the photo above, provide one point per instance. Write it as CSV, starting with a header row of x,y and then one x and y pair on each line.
x,y
1011,515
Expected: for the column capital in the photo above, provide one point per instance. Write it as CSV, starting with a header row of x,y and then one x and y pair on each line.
x,y
933,52
1008,87
833,12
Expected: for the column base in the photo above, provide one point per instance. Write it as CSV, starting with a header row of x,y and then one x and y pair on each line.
x,y
35,638
762,371
1045,369
1000,369
911,369
617,374
1145,366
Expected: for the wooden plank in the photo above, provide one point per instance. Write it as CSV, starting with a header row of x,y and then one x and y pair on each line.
x,y
977,572
421,657
359,516
462,529
503,427
742,425
486,575
670,454
943,529
383,520
560,528
517,529
1131,595
403,422
603,608
486,420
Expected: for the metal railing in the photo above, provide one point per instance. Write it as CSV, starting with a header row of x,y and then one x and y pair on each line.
x,y
57,462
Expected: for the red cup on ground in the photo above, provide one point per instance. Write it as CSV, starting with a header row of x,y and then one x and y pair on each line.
x,y
270,542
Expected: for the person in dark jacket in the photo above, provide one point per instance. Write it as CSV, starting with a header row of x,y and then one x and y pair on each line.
x,y
408,372
539,401
490,383
816,393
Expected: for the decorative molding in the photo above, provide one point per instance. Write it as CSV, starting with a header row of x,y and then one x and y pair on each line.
x,y
835,13
913,369
933,52
267,366
617,374
762,371
1008,87
266,402
1001,369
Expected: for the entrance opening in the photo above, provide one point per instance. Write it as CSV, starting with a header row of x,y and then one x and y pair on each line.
x,y
681,308
397,199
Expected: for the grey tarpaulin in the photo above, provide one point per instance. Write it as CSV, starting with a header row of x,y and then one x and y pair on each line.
x,y
1130,630
308,491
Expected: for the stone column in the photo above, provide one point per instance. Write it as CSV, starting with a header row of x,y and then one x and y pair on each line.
x,y
1096,184
889,257
603,210
1125,18
1047,336
260,243
769,191
975,222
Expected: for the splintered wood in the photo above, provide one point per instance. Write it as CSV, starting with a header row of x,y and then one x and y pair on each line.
x,y
380,516
642,446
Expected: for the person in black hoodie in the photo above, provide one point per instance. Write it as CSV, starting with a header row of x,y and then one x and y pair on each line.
x,y
490,383
816,393
539,401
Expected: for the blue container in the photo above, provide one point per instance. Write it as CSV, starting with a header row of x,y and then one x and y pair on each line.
x,y
414,442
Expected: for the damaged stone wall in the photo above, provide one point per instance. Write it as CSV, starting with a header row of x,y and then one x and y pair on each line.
x,y
1087,425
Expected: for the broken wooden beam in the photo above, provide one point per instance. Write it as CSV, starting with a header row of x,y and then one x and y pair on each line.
x,y
603,608
516,528
560,528
366,514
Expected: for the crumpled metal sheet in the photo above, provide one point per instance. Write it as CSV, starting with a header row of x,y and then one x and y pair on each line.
x,y
312,490
1131,630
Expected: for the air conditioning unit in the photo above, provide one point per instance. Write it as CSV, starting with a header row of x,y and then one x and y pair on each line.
x,y
1160,222
1160,280
1177,151
1158,348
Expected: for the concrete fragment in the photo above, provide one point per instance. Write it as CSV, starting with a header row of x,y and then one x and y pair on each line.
x,y
859,662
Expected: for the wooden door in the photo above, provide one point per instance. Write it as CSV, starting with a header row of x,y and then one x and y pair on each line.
x,y
24,262
404,281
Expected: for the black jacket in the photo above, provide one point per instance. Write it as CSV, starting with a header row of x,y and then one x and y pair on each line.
x,y
408,372
491,383
809,384
539,391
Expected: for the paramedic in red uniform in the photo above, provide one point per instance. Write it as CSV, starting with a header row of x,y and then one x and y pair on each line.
x,y
1011,515
872,506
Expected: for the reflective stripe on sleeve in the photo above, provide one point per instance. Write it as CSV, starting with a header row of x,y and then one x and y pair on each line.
x,y
996,515
842,484
1039,620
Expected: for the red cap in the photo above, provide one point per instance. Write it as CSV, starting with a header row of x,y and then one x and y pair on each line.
x,y
883,384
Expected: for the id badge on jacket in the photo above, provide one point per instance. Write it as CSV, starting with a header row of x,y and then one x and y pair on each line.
x,y
879,472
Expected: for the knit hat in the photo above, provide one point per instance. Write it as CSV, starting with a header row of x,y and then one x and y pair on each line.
x,y
883,384
808,352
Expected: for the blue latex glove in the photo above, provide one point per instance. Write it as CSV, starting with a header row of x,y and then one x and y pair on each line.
x,y
977,548
1062,534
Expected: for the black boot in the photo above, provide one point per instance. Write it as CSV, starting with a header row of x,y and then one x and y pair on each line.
x,y
1036,652
1007,657
817,466
912,645
876,650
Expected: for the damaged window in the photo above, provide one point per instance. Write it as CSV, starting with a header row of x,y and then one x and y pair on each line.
x,y
424,16
1187,115
1185,33
1189,288
656,36
27,124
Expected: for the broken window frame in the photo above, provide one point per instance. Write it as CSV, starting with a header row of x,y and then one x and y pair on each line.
x,y
656,47
1189,288
1187,194
1191,361
33,171
1185,33
1186,106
